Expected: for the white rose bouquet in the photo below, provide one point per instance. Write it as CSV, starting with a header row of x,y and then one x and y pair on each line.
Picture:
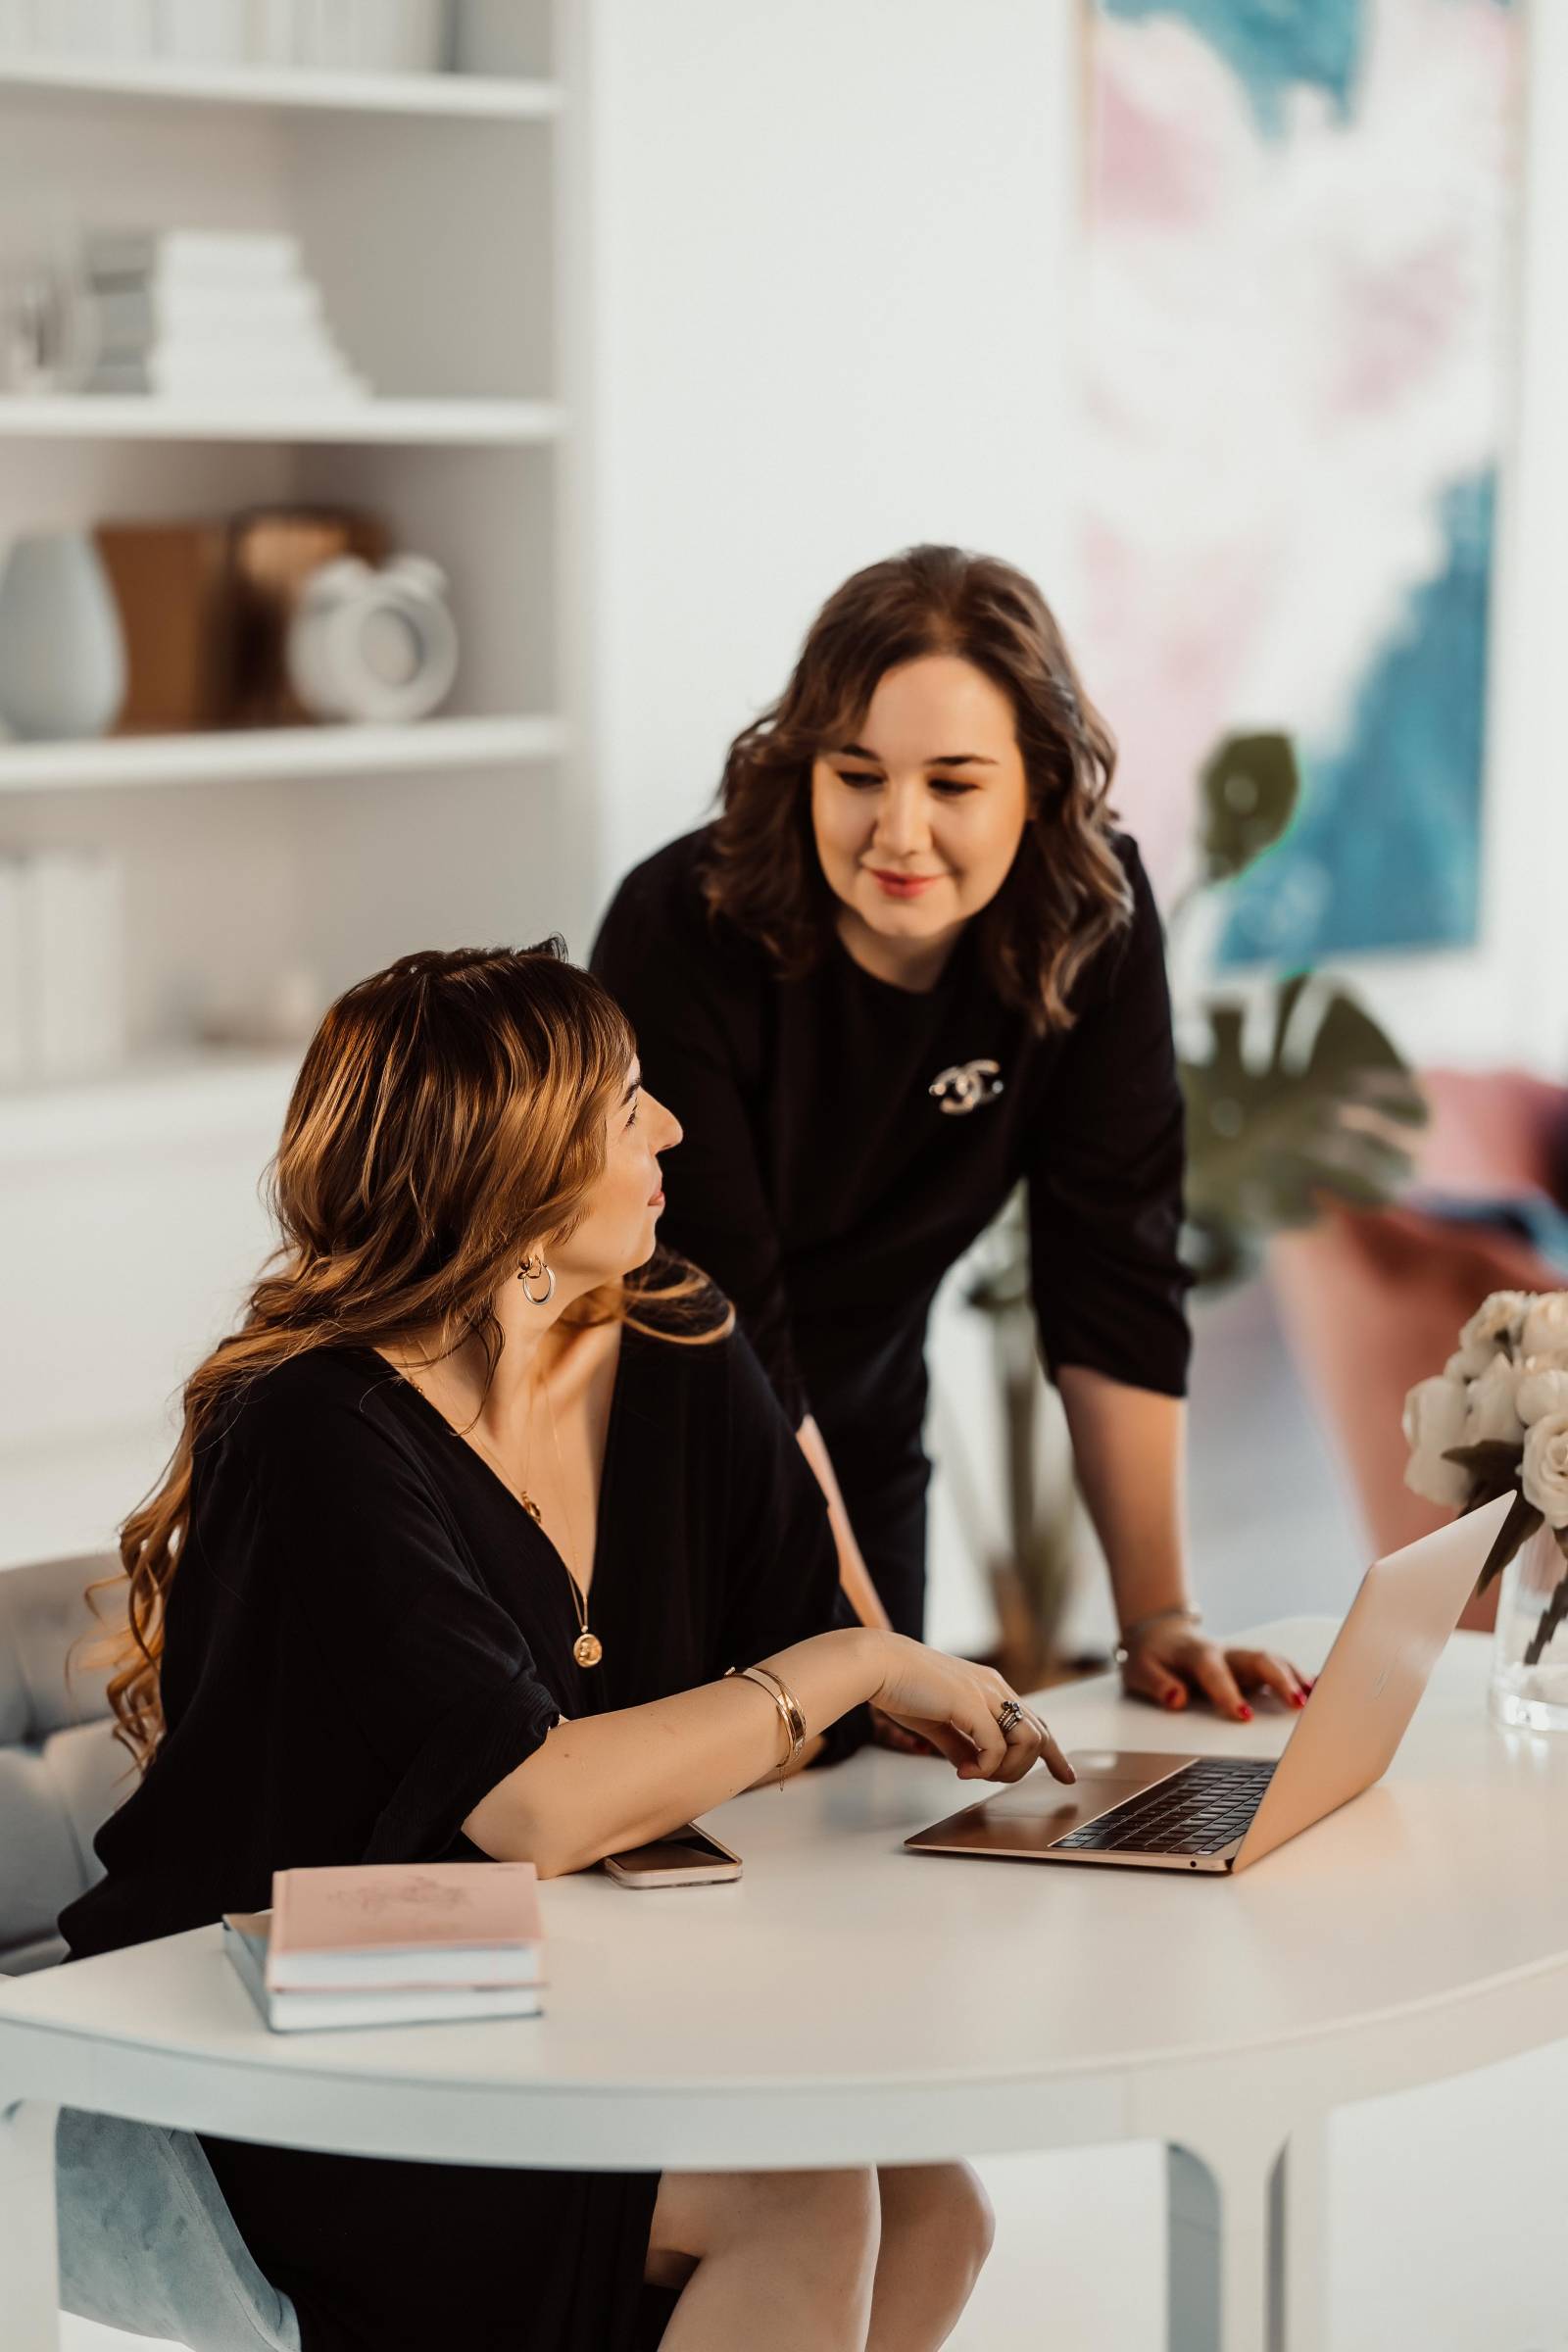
x,y
1495,1421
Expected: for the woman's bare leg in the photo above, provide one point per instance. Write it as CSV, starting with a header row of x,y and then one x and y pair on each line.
x,y
936,2229
768,2261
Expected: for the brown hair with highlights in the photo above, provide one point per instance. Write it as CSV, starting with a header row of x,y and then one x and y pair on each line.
x,y
1067,894
450,1115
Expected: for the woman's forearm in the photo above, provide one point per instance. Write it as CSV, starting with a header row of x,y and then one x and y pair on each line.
x,y
853,1575
1129,1447
603,1782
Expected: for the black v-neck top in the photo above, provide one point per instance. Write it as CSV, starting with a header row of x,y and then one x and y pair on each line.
x,y
826,1189
367,1630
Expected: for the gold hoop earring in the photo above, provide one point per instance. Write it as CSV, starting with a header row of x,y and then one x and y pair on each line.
x,y
530,1270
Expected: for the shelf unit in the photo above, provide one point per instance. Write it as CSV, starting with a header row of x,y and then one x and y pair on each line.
x,y
483,97
158,1103
437,423
439,214
243,755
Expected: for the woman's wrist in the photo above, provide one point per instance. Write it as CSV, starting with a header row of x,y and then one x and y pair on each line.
x,y
831,1673
1180,1611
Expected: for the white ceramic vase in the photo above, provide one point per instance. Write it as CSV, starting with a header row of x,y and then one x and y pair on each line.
x,y
62,650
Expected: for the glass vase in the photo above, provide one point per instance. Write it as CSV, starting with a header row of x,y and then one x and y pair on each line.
x,y
1529,1648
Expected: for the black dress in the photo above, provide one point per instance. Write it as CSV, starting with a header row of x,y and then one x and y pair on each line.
x,y
366,1633
828,1191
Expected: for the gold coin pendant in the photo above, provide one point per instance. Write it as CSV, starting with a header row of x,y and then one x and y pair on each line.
x,y
587,1649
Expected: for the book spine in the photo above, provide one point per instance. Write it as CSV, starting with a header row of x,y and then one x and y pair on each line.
x,y
193,254
142,313
13,975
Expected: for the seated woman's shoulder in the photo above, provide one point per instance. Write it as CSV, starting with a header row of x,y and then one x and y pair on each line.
x,y
309,1398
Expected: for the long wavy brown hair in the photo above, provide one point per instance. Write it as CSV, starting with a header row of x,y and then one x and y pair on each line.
x,y
1066,894
449,1118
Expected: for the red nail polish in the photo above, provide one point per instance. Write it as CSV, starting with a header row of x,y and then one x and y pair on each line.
x,y
1298,1699
1173,1698
1245,1715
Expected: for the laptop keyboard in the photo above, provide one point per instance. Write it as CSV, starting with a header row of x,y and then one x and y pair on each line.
x,y
1199,1810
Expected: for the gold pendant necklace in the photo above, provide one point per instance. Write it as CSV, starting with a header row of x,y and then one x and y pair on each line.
x,y
587,1649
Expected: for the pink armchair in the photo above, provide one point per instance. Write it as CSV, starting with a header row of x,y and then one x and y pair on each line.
x,y
1371,1300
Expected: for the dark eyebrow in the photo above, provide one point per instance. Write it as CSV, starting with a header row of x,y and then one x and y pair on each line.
x,y
633,1085
857,750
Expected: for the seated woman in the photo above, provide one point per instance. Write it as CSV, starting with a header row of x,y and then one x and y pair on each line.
x,y
467,1523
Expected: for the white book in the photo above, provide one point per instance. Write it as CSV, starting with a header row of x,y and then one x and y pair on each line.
x,y
162,379
155,309
240,355
103,961
245,1942
199,256
12,992
81,28
51,972
426,35
202,31
272,32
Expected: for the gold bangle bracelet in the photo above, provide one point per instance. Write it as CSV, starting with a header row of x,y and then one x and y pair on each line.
x,y
784,1700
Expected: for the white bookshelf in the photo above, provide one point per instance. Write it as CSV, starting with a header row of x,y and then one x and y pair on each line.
x,y
242,755
439,214
438,423
472,97
159,1102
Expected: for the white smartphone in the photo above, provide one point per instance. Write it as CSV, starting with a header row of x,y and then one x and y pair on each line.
x,y
687,1857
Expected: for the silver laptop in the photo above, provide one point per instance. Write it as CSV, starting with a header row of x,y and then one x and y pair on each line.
x,y
1154,1811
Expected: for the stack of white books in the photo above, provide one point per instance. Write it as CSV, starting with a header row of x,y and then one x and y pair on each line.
x,y
62,965
392,1945
378,37
211,315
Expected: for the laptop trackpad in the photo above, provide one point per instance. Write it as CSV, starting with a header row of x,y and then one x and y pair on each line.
x,y
1107,1777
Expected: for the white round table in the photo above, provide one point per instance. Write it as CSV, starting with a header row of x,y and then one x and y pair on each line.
x,y
851,2003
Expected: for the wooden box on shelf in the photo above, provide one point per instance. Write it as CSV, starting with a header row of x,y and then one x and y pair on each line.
x,y
174,587
275,550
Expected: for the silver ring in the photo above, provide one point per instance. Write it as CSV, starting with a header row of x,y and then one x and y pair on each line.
x,y
1010,1714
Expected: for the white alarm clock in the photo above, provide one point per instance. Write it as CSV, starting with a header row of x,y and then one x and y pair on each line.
x,y
372,642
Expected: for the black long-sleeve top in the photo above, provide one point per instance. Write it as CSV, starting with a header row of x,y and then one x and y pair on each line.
x,y
827,1191
366,1633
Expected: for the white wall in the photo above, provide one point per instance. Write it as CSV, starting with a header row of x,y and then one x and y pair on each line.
x,y
1507,999
832,311
831,253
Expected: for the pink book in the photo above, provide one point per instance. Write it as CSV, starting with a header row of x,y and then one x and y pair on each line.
x,y
405,1924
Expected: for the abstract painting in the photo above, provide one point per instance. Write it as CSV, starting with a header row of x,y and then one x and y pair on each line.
x,y
1298,332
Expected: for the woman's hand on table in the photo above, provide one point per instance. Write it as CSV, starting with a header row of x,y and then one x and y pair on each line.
x,y
955,1708
1169,1664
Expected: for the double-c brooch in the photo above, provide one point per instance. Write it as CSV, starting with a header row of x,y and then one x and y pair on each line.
x,y
965,1086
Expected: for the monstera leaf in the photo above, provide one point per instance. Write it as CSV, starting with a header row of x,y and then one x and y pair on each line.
x,y
1247,797
1316,1115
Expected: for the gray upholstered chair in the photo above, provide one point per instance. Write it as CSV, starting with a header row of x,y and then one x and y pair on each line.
x,y
146,2241
61,1773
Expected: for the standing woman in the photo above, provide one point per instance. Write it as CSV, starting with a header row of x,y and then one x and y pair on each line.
x,y
911,962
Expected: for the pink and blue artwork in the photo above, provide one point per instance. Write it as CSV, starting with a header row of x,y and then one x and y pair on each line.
x,y
1298,328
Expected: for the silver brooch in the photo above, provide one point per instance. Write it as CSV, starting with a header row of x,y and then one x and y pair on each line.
x,y
965,1086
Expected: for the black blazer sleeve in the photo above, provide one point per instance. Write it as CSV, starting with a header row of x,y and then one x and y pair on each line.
x,y
668,969
1104,1172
